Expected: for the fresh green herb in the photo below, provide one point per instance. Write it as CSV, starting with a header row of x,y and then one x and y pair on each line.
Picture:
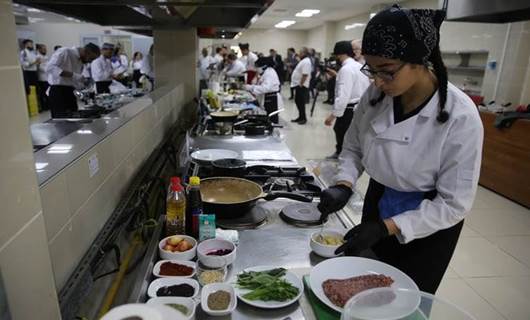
x,y
267,285
179,307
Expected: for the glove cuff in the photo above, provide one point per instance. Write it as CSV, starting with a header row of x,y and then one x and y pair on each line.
x,y
384,229
345,189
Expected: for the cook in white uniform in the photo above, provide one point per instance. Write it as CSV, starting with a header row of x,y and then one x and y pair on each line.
x,y
42,81
29,62
350,85
204,64
136,66
234,68
419,138
267,88
300,82
249,59
101,69
64,70
120,65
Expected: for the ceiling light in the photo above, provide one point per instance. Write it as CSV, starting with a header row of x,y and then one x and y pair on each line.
x,y
284,24
34,10
84,131
353,26
306,13
40,166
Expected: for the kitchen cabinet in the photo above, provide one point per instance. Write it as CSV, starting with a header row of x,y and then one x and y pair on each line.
x,y
506,159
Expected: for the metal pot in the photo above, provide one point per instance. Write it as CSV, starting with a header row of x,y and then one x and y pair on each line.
x,y
224,116
228,197
229,167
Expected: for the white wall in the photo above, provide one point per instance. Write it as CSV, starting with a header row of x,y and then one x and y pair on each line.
x,y
316,38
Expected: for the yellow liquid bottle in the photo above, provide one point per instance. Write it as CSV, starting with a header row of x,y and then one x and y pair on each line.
x,y
176,209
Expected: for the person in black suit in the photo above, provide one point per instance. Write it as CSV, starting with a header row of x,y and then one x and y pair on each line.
x,y
278,65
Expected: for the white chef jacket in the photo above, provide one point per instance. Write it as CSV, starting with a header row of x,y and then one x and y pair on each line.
x,y
236,69
350,85
120,65
249,61
65,59
136,65
418,154
267,83
43,76
27,57
101,69
203,64
147,66
303,67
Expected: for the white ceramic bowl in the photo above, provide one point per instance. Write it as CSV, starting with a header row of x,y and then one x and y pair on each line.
x,y
211,288
323,250
166,282
191,264
216,261
202,268
187,302
182,256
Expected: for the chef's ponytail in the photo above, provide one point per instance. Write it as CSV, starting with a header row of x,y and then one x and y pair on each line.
x,y
441,74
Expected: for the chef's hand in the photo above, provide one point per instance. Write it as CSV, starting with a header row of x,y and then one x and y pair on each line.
x,y
247,87
329,120
363,236
333,199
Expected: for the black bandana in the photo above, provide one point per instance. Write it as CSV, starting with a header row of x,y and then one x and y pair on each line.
x,y
409,35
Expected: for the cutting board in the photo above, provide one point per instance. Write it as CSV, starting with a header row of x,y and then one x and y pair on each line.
x,y
322,311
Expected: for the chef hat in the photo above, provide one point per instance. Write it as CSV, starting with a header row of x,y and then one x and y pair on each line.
x,y
343,47
410,35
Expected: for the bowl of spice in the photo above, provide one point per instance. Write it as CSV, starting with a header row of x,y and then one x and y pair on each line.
x,y
173,287
174,268
216,253
207,275
185,306
218,299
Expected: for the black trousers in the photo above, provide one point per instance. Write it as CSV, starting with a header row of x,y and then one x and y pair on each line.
x,y
425,260
301,95
103,86
136,76
42,86
342,125
270,103
62,101
30,79
203,84
330,87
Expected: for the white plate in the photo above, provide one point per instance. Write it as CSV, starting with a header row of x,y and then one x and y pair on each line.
x,y
156,268
166,282
289,276
347,267
209,155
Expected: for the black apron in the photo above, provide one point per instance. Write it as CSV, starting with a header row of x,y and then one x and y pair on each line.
x,y
62,101
103,86
270,103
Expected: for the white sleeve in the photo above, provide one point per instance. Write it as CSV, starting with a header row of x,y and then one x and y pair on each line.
x,y
269,84
351,167
23,59
456,184
54,65
343,90
306,67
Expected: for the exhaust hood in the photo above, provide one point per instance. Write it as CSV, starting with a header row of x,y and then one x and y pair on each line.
x,y
489,11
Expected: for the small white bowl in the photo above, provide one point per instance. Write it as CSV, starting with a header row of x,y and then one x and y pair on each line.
x,y
211,288
202,268
191,264
182,256
216,261
166,282
323,250
187,302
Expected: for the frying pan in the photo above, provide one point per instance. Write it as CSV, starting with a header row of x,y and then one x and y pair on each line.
x,y
229,197
224,116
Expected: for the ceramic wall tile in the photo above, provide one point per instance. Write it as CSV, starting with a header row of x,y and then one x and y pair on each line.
x,y
55,204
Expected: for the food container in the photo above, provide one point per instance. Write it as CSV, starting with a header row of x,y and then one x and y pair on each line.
x,y
213,261
201,269
324,250
166,282
187,302
214,287
191,264
181,256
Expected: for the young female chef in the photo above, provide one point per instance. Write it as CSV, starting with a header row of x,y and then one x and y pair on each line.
x,y
268,86
419,138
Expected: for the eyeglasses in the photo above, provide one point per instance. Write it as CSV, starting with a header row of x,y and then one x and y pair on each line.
x,y
383,75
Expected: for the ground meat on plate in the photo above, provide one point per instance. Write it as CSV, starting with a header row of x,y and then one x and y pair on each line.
x,y
340,291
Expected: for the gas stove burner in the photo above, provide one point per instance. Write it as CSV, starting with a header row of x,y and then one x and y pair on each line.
x,y
301,214
254,219
292,184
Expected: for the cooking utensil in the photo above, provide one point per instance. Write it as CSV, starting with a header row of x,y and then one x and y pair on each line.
x,y
276,112
229,167
224,116
206,156
229,197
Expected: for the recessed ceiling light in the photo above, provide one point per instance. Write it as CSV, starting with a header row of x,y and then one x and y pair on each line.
x,y
306,13
284,24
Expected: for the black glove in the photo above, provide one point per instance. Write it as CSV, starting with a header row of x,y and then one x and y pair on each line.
x,y
363,236
333,199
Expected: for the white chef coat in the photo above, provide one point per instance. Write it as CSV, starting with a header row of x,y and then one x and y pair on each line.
x,y
101,69
43,76
303,67
236,69
249,61
120,65
136,65
418,154
350,85
203,64
147,66
267,83
65,59
27,60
